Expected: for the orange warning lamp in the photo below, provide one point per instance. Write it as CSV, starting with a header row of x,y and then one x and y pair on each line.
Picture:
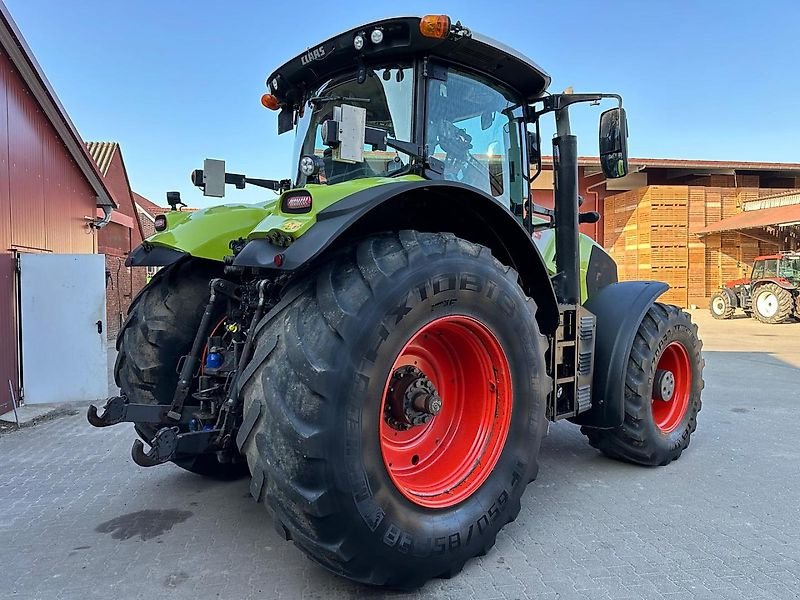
x,y
269,101
435,26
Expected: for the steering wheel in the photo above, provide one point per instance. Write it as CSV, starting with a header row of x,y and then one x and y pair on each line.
x,y
457,144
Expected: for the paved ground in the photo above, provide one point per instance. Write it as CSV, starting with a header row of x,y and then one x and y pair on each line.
x,y
79,520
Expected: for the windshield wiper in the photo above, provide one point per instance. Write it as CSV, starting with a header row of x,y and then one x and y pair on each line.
x,y
318,100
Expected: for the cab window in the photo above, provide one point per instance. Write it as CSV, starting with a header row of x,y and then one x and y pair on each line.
x,y
475,128
770,267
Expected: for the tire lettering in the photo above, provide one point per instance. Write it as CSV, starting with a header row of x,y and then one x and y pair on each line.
x,y
471,283
493,512
439,546
454,541
406,543
443,303
423,292
448,280
483,523
391,536
491,288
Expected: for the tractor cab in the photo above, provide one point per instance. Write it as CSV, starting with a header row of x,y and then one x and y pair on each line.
x,y
783,267
418,96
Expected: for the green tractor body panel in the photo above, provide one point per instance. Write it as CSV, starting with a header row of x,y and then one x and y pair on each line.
x,y
546,242
207,233
323,196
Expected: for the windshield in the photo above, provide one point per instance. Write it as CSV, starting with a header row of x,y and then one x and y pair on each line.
x,y
387,94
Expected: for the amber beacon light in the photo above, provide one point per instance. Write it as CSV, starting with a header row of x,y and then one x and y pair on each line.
x,y
435,26
269,101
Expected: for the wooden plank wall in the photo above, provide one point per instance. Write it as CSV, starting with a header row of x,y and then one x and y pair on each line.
x,y
648,232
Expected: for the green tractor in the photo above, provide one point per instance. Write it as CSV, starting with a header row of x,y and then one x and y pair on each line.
x,y
382,345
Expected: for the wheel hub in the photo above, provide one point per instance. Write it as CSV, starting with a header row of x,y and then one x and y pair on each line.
x,y
664,385
411,399
767,304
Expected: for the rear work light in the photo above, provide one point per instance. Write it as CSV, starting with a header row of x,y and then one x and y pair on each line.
x,y
297,203
435,26
160,223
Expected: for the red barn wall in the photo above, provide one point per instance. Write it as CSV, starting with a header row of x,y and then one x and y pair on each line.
x,y
116,241
44,203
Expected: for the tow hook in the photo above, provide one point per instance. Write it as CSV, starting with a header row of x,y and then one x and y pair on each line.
x,y
169,444
117,409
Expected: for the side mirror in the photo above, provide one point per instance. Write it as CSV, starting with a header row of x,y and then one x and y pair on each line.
x,y
211,178
614,143
534,147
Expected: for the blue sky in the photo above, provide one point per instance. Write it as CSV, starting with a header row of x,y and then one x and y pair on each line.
x,y
175,82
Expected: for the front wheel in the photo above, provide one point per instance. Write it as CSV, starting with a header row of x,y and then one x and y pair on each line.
x,y
395,407
663,383
721,306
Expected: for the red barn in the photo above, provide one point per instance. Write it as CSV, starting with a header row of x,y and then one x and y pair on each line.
x,y
52,198
119,237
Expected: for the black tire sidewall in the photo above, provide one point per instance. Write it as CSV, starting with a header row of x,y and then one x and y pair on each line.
x,y
391,524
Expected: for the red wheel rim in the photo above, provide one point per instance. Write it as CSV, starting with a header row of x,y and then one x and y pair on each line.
x,y
668,414
444,461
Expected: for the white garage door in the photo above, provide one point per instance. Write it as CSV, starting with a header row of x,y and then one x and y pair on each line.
x,y
63,321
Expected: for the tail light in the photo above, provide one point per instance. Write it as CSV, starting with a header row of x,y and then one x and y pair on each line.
x,y
297,203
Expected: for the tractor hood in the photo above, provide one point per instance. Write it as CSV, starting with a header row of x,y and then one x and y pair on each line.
x,y
401,39
208,233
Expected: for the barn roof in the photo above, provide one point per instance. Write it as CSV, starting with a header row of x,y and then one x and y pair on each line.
x,y
22,58
102,153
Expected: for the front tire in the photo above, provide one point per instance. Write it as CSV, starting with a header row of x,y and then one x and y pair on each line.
x,y
721,306
772,304
374,503
663,383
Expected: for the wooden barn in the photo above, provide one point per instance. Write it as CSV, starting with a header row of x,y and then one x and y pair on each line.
x,y
679,221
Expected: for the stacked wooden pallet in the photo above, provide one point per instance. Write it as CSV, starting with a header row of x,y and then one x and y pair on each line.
x,y
649,232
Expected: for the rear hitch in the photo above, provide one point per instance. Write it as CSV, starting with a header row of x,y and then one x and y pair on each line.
x,y
169,444
118,410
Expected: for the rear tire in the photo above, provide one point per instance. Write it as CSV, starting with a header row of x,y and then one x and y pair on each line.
x,y
655,432
721,306
161,325
314,410
772,304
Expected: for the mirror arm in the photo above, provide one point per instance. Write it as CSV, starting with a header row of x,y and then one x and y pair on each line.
x,y
239,181
556,102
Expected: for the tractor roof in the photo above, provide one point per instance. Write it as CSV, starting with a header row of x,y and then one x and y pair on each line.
x,y
402,41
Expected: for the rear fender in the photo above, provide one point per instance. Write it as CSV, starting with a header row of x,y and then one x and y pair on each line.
x,y
425,206
619,308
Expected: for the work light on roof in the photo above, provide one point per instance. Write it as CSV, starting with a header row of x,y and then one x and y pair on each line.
x,y
376,36
358,42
